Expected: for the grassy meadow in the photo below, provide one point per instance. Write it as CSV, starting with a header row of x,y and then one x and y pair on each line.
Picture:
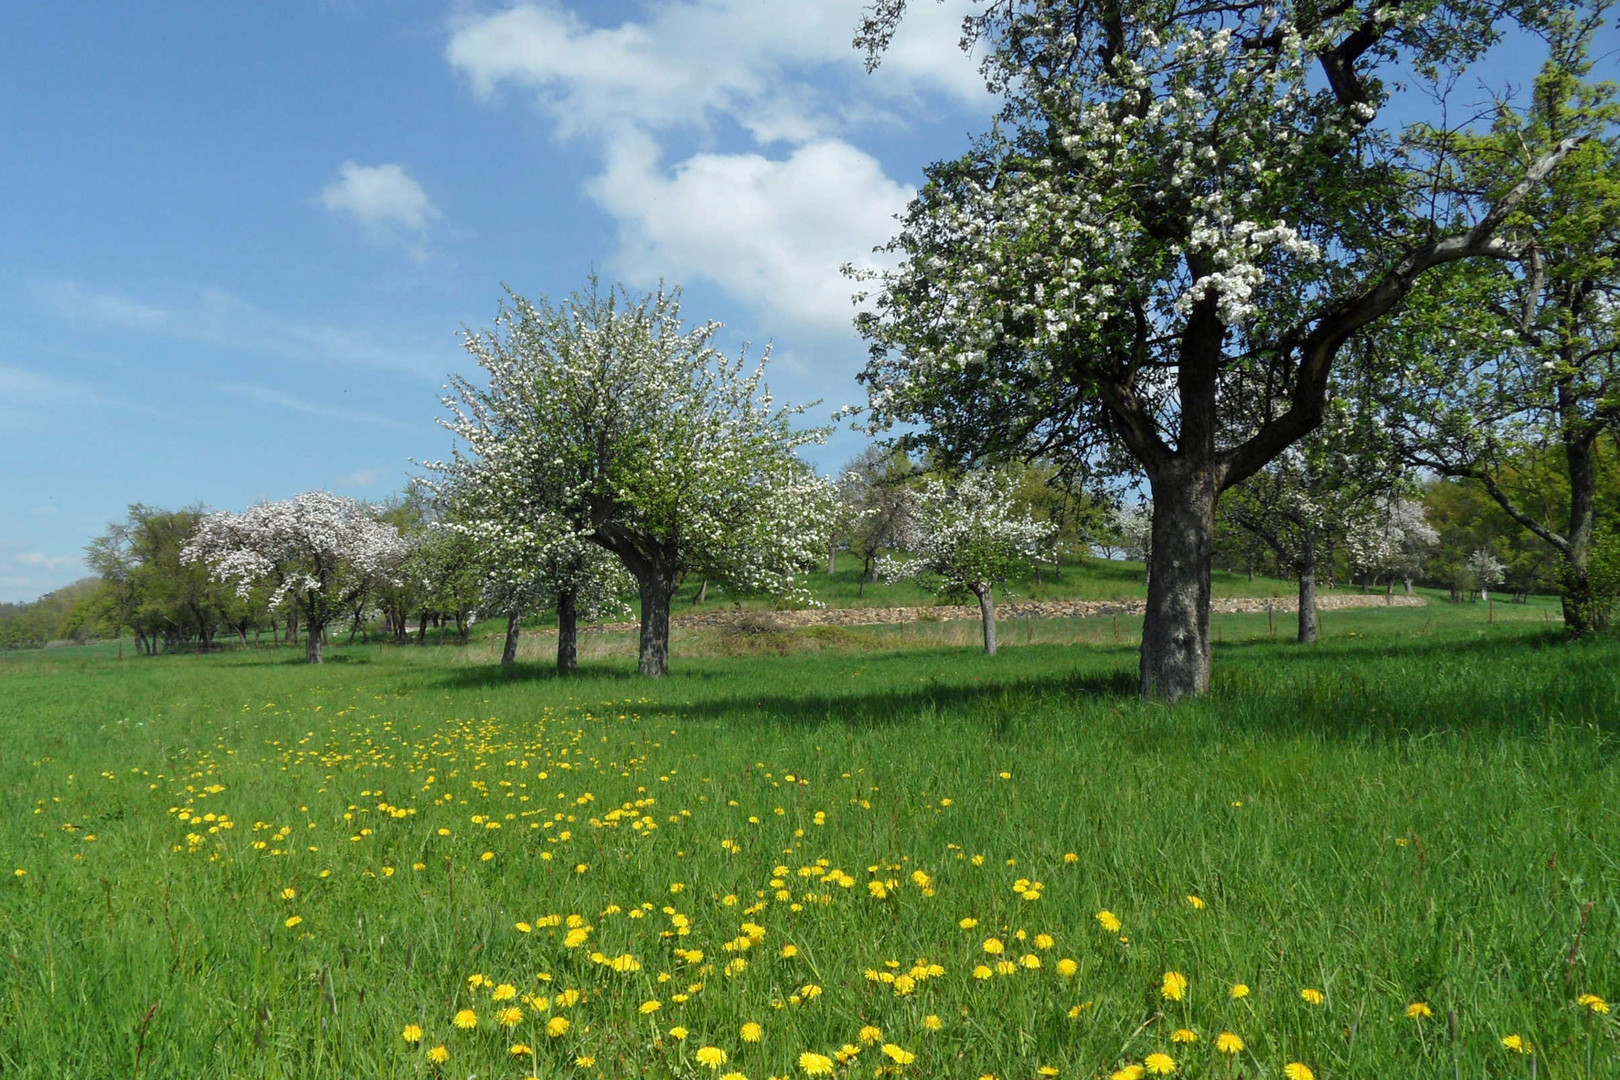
x,y
862,853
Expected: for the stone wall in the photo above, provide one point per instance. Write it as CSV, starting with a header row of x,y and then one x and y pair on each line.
x,y
1017,609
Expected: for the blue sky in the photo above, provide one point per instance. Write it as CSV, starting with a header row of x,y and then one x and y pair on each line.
x,y
240,240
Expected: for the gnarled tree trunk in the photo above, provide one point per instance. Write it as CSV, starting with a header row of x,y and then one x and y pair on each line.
x,y
568,633
1306,568
514,626
1175,627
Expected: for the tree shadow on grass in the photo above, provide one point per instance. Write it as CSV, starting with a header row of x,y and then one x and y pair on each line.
x,y
535,671
1513,684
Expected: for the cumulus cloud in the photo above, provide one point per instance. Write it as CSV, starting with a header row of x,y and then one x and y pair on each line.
x,y
771,226
385,201
772,232
761,65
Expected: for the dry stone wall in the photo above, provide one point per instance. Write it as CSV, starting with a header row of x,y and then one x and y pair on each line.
x,y
1017,609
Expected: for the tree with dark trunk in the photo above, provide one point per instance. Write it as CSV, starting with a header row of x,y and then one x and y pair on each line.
x,y
967,535
1537,363
1157,257
874,496
1313,494
318,553
607,415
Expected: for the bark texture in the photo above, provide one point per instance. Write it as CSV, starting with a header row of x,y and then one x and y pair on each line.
x,y
514,626
987,613
568,632
1307,599
1175,627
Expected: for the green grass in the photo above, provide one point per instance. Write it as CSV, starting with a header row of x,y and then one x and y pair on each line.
x,y
1094,579
1420,808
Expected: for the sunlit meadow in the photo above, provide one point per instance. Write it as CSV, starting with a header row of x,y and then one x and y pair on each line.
x,y
1397,854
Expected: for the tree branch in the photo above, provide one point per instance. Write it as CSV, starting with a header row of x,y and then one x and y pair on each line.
x,y
1339,322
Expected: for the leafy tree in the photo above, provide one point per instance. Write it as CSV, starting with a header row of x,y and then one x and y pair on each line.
x,y
1054,495
1308,498
606,414
967,535
1160,251
875,497
1393,541
1537,362
317,551
150,588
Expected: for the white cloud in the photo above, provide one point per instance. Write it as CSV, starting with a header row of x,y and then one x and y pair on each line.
x,y
270,396
221,318
384,200
689,61
360,478
771,232
49,562
771,228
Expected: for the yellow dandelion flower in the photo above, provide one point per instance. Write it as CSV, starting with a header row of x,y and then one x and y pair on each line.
x,y
982,972
1160,1064
932,1022
1129,1072
1197,902
1518,1044
734,1076
510,1017
898,1055
558,1026
1311,996
752,1032
870,1035
815,1064
1593,1003
1047,1070
1044,941
521,1050
1419,1010
412,1033
1240,990
1174,987
994,947
1295,1070
438,1055
650,1007
1228,1043
968,923
289,893
466,1019
1184,1035
585,1061
712,1056
293,920
1110,922
1067,967
677,1033
789,951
